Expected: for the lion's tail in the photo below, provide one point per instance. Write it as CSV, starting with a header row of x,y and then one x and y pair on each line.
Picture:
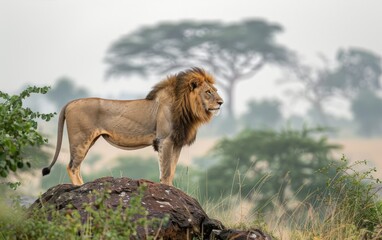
x,y
61,120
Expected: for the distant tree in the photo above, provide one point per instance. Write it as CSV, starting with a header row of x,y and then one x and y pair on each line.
x,y
355,70
358,70
296,121
367,112
64,91
18,133
265,113
281,162
312,79
233,52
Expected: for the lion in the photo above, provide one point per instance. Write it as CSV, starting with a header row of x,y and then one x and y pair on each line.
x,y
167,119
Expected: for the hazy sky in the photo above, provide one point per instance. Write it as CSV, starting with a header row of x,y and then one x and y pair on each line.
x,y
42,40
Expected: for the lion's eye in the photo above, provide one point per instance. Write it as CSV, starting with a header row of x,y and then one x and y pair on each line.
x,y
209,92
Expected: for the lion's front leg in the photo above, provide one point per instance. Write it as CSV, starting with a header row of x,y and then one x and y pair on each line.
x,y
174,159
168,158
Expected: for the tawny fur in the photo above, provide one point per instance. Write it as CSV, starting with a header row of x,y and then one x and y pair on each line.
x,y
168,119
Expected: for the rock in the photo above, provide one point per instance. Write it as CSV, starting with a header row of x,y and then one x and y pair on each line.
x,y
26,201
187,219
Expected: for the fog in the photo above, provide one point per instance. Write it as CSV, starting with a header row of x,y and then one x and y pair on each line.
x,y
64,44
44,40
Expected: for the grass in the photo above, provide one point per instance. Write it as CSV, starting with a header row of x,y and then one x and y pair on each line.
x,y
350,207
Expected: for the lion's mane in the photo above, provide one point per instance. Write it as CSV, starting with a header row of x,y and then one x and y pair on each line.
x,y
181,91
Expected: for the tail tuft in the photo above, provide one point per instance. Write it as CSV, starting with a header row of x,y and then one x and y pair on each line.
x,y
45,171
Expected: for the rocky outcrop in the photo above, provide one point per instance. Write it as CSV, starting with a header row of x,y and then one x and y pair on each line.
x,y
186,218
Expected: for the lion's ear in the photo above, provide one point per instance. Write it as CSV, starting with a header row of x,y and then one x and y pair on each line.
x,y
194,83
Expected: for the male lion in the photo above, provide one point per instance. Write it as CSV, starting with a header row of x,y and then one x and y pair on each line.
x,y
167,119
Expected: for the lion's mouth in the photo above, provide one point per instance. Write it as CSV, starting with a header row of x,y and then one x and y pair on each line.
x,y
214,111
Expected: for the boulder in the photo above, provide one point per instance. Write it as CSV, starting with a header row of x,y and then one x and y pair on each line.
x,y
186,218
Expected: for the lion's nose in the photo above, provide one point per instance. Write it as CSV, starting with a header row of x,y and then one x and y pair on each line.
x,y
220,101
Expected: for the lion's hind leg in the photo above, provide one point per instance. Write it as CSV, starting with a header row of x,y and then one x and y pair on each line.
x,y
74,175
77,155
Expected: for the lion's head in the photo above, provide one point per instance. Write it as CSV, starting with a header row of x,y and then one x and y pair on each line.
x,y
194,101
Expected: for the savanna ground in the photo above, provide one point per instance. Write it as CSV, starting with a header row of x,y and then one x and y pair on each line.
x,y
354,149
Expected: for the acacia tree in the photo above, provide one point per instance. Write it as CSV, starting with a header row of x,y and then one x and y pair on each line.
x,y
356,70
233,52
312,80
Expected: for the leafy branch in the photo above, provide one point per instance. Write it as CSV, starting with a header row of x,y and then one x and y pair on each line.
x,y
19,129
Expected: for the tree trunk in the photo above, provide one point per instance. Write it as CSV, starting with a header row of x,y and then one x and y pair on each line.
x,y
230,91
322,119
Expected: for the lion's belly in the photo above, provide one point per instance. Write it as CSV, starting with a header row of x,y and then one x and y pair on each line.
x,y
130,142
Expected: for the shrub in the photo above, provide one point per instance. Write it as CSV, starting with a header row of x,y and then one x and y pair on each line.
x,y
19,130
356,194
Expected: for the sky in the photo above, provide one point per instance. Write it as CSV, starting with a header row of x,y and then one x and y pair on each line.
x,y
43,40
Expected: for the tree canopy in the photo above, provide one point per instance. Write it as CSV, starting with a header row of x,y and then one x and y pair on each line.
x,y
357,70
354,71
231,51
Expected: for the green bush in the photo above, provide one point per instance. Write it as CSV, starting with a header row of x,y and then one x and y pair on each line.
x,y
356,194
19,130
